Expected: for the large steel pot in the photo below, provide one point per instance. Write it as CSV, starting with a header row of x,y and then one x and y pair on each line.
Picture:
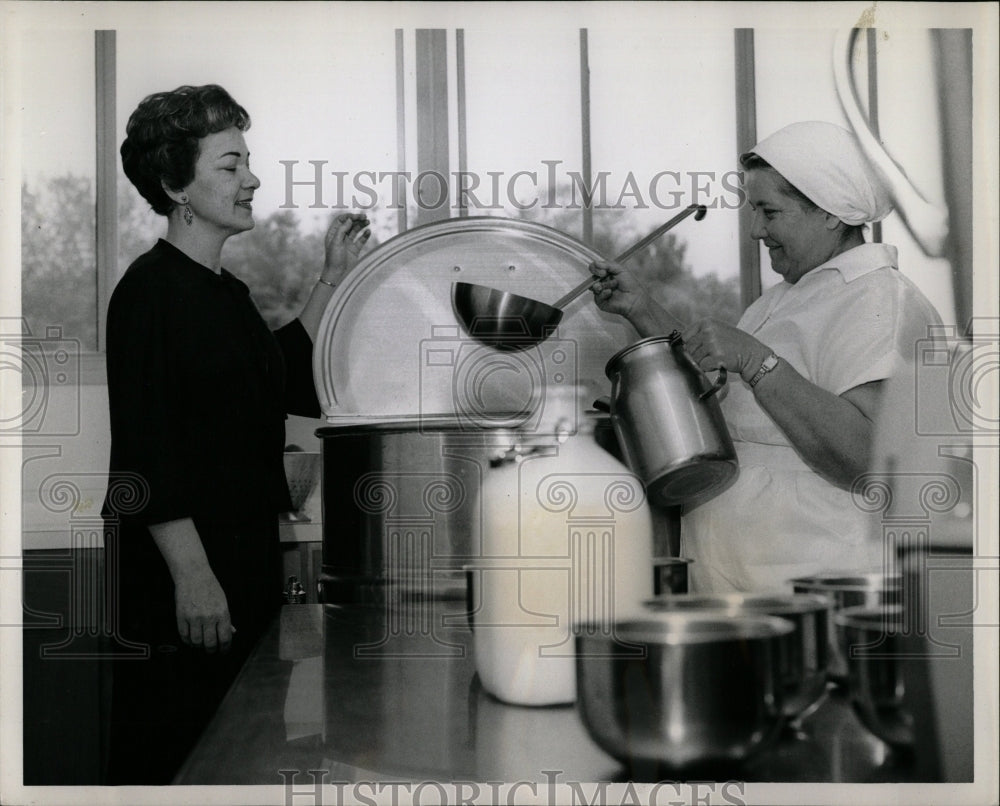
x,y
872,641
685,690
414,406
667,419
400,500
398,505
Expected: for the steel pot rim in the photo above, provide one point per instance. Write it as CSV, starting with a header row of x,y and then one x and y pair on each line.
x,y
452,424
864,617
777,604
852,583
685,629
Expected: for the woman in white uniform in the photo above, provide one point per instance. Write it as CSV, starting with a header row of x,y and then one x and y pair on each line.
x,y
812,355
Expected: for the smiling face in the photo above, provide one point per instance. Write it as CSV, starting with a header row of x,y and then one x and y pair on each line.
x,y
799,238
221,193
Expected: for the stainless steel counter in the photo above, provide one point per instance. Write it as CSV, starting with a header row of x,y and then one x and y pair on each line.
x,y
378,693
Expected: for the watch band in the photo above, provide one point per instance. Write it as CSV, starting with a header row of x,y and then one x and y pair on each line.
x,y
766,366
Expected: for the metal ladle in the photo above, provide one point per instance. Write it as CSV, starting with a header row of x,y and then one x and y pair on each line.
x,y
510,322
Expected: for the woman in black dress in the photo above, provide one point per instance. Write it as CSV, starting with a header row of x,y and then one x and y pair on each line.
x,y
198,389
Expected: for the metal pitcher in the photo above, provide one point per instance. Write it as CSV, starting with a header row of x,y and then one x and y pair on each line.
x,y
668,422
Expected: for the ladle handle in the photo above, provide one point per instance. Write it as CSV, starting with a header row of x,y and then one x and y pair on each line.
x,y
700,209
603,404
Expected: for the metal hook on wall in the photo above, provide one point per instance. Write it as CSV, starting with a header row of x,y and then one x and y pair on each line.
x,y
927,222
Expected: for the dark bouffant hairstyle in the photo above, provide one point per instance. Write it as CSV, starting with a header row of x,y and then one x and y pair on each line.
x,y
161,142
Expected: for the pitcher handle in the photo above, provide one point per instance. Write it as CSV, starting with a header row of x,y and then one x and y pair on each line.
x,y
676,340
720,381
603,404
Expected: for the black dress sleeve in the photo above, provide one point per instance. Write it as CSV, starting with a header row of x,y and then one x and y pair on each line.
x,y
300,389
147,438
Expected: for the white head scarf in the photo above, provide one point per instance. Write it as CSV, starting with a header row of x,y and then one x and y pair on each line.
x,y
826,163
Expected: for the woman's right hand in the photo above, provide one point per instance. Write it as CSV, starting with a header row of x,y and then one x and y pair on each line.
x,y
203,612
616,289
343,242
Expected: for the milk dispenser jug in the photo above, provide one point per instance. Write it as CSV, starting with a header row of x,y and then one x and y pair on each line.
x,y
567,539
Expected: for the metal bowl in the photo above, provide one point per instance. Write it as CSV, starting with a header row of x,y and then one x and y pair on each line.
x,y
508,321
869,639
803,654
682,690
302,474
850,590
502,319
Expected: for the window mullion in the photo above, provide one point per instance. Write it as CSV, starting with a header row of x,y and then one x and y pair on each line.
x,y
588,210
106,229
432,126
746,138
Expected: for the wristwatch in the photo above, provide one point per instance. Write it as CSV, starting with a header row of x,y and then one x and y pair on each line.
x,y
766,366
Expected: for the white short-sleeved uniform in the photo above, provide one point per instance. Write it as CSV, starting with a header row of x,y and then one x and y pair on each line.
x,y
849,321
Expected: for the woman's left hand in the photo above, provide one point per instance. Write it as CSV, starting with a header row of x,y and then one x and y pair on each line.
x,y
713,344
344,240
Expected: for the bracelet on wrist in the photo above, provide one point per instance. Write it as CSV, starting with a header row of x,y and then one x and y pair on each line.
x,y
767,365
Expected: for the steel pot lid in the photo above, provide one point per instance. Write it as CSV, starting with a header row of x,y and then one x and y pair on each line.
x,y
389,344
513,422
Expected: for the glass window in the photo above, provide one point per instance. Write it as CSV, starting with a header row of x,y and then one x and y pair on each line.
x,y
523,123
58,263
663,125
794,78
327,111
910,129
646,164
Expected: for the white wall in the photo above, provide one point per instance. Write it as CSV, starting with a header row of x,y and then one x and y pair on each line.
x,y
64,476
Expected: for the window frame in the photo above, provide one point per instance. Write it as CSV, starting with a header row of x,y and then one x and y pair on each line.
x,y
93,368
432,118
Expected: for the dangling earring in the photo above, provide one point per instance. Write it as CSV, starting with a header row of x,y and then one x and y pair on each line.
x,y
188,214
